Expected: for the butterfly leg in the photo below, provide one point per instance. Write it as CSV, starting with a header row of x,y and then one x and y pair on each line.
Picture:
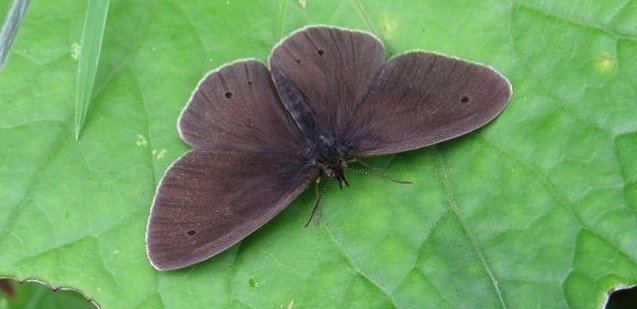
x,y
316,211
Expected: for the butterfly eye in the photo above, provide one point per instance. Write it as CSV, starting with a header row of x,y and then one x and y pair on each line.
x,y
465,99
320,52
330,173
228,95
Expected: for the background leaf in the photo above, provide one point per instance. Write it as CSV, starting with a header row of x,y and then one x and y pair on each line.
x,y
18,295
538,209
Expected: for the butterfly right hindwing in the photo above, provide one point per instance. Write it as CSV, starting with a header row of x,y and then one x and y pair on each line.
x,y
249,162
237,108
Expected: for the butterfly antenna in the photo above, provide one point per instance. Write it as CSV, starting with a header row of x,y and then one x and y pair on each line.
x,y
379,169
381,176
320,190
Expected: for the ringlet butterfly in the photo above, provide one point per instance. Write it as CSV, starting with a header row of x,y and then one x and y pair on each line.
x,y
260,136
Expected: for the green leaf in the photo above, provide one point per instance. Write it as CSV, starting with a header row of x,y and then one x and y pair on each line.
x,y
37,295
89,55
538,209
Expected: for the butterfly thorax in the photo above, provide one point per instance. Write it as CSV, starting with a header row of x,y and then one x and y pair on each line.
x,y
326,152
331,158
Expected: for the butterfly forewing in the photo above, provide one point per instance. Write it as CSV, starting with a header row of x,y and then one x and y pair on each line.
x,y
420,99
249,163
333,68
236,108
208,201
374,106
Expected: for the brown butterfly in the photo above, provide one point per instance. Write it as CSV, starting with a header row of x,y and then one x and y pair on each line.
x,y
261,135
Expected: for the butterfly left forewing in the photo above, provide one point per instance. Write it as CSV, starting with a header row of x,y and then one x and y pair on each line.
x,y
420,99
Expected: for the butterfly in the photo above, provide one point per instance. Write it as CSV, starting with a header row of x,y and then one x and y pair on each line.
x,y
261,135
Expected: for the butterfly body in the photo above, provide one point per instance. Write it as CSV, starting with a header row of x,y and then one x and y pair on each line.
x,y
260,135
332,159
327,152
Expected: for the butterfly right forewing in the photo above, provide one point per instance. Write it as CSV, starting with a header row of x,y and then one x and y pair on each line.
x,y
210,200
249,162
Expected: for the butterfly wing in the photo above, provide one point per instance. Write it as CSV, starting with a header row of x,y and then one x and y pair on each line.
x,y
249,162
208,201
333,68
236,108
420,99
378,107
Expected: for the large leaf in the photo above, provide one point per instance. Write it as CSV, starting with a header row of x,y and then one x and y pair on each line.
x,y
20,295
538,209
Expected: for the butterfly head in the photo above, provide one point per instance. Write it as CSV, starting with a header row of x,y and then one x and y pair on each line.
x,y
336,169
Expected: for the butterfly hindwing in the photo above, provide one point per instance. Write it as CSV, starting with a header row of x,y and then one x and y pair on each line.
x,y
332,67
373,106
236,107
249,162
